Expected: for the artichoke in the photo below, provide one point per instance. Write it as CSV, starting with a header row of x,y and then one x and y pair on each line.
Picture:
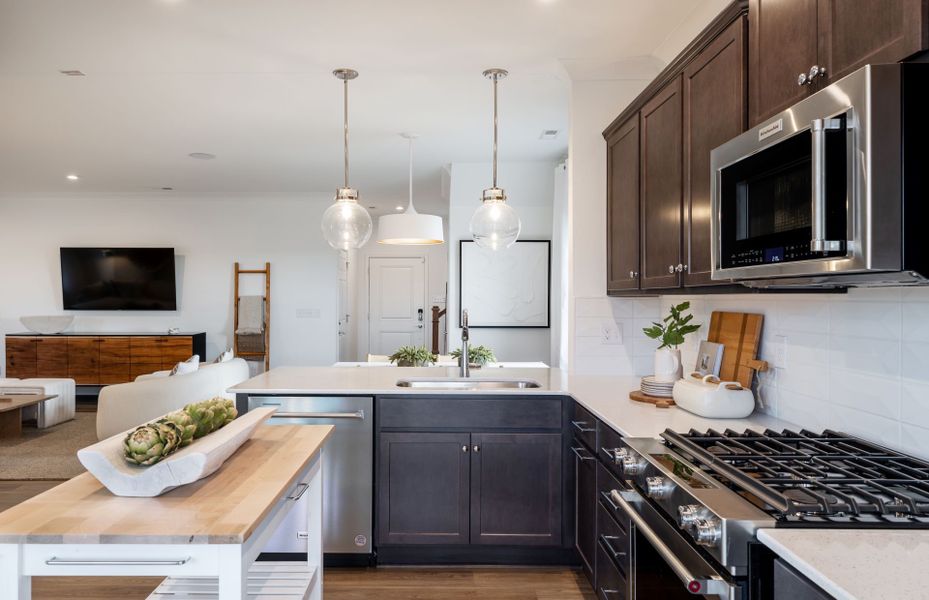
x,y
148,444
201,414
184,423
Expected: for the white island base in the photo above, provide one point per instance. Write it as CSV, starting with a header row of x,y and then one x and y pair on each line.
x,y
205,538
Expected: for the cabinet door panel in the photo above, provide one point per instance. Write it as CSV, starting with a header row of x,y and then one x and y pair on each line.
x,y
714,113
20,357
422,488
782,44
51,357
854,33
661,188
144,355
84,360
114,360
175,350
516,489
622,236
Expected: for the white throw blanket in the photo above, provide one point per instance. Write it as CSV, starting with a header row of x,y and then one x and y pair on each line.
x,y
251,315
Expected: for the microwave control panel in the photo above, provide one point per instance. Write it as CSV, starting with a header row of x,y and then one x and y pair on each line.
x,y
767,256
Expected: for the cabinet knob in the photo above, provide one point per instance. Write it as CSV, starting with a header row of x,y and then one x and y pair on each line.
x,y
802,79
633,274
464,448
816,71
670,268
476,448
680,268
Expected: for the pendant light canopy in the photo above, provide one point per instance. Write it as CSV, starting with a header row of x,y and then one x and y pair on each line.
x,y
495,225
346,224
410,228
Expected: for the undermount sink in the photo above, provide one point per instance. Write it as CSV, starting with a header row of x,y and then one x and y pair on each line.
x,y
468,383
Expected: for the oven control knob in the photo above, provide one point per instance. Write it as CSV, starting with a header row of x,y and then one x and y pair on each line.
x,y
619,455
707,532
658,487
632,466
688,515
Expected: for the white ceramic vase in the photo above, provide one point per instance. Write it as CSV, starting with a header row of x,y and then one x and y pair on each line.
x,y
668,367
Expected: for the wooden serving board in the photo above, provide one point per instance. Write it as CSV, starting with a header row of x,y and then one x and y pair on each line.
x,y
740,333
659,401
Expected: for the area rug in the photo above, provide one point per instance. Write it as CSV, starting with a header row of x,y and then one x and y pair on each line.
x,y
48,453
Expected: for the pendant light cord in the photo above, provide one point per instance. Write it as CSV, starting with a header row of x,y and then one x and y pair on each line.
x,y
495,131
345,121
410,208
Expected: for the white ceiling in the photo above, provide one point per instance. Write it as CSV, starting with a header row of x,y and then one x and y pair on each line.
x,y
249,81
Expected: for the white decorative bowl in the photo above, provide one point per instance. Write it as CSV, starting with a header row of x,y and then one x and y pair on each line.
x,y
47,325
105,460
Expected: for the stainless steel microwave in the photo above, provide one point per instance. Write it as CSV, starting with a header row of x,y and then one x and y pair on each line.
x,y
831,192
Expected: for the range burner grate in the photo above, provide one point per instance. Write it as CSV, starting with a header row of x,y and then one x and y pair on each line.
x,y
808,478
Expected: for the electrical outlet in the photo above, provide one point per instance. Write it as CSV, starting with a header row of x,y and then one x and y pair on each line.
x,y
303,535
610,334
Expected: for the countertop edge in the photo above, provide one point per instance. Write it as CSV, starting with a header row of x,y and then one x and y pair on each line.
x,y
808,570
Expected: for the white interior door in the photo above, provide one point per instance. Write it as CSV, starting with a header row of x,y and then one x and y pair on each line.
x,y
396,304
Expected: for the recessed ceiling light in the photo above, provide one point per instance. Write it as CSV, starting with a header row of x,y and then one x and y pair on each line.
x,y
398,207
167,189
202,155
72,177
548,134
72,73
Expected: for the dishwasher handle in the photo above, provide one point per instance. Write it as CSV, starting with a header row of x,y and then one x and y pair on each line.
x,y
358,414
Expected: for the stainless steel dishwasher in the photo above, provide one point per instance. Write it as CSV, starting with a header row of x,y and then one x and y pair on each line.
x,y
348,472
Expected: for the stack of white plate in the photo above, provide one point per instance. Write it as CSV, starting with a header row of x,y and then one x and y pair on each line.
x,y
656,388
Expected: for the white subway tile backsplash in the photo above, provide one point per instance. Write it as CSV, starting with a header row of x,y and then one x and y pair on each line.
x,y
855,362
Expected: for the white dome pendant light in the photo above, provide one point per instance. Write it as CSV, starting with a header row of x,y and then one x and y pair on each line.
x,y
410,228
346,224
495,225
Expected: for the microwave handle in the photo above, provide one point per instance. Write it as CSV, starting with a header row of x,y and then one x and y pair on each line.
x,y
818,242
695,585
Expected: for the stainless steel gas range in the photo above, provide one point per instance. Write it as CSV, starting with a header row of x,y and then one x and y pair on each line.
x,y
696,499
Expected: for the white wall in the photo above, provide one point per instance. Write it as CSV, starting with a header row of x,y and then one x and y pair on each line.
x,y
208,233
436,278
530,190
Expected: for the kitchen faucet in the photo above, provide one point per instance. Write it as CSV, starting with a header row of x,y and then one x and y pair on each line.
x,y
464,368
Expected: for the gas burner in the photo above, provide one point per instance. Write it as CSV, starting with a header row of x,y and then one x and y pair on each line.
x,y
804,478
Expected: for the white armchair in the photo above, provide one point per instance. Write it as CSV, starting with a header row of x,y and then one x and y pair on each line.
x,y
48,413
126,405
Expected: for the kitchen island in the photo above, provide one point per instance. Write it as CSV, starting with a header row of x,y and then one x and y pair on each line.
x,y
204,537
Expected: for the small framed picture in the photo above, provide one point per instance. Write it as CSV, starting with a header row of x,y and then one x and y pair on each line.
x,y
709,358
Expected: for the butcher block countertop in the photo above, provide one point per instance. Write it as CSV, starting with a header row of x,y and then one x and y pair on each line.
x,y
224,508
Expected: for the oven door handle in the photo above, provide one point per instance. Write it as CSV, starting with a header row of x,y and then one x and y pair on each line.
x,y
818,242
707,586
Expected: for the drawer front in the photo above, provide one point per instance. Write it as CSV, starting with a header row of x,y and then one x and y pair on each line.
x,y
606,483
584,426
613,537
175,350
445,412
608,441
611,585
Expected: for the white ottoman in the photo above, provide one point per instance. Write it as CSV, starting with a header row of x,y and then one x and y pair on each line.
x,y
48,413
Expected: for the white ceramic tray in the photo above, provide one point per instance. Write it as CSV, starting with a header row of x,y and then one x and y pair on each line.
x,y
105,460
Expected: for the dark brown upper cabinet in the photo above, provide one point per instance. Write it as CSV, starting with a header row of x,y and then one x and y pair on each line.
x,y
715,87
622,222
782,46
661,186
860,32
790,40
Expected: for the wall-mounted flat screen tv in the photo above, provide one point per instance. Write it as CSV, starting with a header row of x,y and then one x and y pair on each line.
x,y
118,279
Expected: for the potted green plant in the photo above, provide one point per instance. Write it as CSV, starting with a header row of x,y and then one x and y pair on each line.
x,y
478,356
671,332
412,356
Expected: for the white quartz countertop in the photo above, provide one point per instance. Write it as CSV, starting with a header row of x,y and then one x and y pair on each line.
x,y
855,564
607,397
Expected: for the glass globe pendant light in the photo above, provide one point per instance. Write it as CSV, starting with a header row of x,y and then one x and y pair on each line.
x,y
346,224
410,228
495,225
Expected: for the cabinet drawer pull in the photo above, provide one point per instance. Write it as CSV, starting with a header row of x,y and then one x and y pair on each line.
x,y
303,487
606,540
610,592
577,453
580,426
55,561
609,500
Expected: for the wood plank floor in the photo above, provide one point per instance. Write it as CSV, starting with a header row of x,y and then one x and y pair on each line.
x,y
383,583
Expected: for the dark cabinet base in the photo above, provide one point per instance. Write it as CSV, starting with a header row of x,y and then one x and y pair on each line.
x,y
475,555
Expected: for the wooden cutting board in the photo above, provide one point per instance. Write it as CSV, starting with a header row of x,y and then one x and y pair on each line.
x,y
740,333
